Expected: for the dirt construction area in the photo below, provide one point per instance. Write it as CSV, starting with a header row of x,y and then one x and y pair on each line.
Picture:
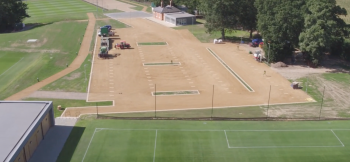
x,y
125,80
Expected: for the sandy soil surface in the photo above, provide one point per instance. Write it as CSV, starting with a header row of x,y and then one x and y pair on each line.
x,y
83,53
125,80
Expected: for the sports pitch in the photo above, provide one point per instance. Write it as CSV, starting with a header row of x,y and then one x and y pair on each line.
x,y
198,141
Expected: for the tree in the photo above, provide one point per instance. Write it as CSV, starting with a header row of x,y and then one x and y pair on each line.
x,y
11,12
247,15
322,27
190,4
280,22
220,15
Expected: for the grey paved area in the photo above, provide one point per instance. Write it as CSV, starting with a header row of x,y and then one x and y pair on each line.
x,y
161,22
58,95
112,4
49,148
124,15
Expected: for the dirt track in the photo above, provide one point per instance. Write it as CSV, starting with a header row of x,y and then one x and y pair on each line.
x,y
126,81
83,53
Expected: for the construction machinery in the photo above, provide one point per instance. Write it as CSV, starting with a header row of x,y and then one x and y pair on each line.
x,y
105,32
104,47
123,45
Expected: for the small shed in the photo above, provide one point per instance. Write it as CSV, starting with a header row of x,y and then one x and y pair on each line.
x,y
180,18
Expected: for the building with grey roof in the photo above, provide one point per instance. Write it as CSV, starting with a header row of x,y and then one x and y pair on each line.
x,y
181,18
23,126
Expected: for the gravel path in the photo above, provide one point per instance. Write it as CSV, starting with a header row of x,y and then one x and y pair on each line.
x,y
58,95
83,53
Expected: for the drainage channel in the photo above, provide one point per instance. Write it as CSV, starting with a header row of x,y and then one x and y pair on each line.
x,y
231,71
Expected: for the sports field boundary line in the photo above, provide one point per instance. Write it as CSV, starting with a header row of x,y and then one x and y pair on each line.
x,y
225,130
228,144
155,146
89,144
92,67
232,72
11,66
337,138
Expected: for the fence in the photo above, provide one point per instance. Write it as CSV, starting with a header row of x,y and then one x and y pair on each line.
x,y
326,107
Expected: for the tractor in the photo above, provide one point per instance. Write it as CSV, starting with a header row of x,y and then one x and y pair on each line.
x,y
123,45
103,52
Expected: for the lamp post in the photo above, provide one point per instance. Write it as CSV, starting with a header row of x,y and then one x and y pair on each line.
x,y
307,79
268,55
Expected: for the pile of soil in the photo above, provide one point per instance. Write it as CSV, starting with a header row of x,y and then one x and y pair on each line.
x,y
279,64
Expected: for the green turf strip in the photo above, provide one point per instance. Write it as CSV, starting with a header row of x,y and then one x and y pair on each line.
x,y
171,93
199,141
151,43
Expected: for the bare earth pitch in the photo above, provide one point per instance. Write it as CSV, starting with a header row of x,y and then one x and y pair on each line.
x,y
126,81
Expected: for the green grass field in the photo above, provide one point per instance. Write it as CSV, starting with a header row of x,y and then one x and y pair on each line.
x,y
346,5
45,11
200,141
199,31
22,63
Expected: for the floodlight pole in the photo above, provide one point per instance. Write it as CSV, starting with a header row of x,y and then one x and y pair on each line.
x,y
268,55
212,104
268,104
155,100
324,89
307,79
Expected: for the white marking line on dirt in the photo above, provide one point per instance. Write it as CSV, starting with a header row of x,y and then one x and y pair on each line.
x,y
229,92
11,67
110,70
111,87
111,91
150,80
149,77
220,81
155,146
151,87
193,86
190,82
111,95
181,67
89,142
145,68
147,74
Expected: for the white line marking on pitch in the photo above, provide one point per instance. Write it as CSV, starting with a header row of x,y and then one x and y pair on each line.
x,y
110,70
228,144
111,91
155,146
337,138
193,86
111,95
89,144
111,83
191,82
150,80
111,87
147,74
188,79
145,68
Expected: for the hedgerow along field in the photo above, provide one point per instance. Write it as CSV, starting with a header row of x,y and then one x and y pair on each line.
x,y
44,11
225,141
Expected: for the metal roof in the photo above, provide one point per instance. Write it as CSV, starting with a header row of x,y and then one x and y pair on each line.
x,y
16,122
167,9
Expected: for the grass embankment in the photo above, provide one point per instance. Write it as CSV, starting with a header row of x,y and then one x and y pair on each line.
x,y
49,55
199,31
206,141
69,103
78,80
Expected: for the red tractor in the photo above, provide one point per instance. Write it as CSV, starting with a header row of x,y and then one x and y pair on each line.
x,y
123,45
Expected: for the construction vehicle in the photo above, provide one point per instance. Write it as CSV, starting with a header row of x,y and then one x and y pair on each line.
x,y
104,47
122,45
104,31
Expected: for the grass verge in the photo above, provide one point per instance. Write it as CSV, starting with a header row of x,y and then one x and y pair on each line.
x,y
69,103
199,31
171,93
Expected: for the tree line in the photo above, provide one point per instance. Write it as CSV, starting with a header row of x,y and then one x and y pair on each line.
x,y
313,26
11,13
